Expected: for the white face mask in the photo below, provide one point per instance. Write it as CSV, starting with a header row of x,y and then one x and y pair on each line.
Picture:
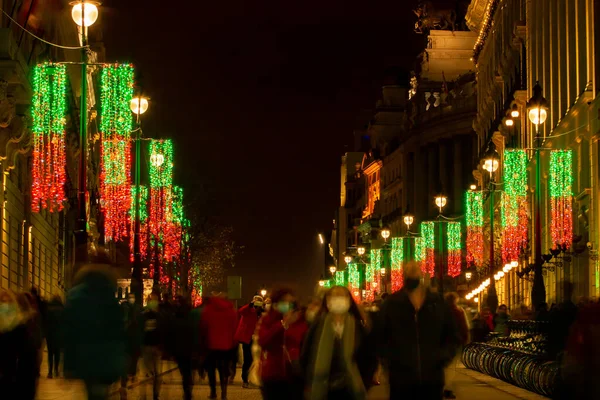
x,y
338,305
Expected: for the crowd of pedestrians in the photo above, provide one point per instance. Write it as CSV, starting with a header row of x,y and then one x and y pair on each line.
x,y
332,348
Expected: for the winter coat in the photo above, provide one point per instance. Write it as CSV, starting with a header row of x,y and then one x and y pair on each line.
x,y
94,333
180,333
132,317
460,319
501,324
248,317
218,324
18,364
272,337
52,325
417,344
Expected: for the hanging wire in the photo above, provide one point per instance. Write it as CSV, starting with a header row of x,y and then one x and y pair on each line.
x,y
42,40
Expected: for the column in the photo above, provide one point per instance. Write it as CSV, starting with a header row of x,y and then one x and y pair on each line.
x,y
432,177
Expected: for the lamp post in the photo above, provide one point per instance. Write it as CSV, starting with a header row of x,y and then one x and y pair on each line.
x,y
138,106
84,14
385,234
263,292
491,163
537,108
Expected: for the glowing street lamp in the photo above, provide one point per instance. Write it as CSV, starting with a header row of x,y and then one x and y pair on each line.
x,y
537,107
322,283
138,105
514,111
332,269
84,13
348,259
361,251
491,162
408,220
441,201
263,292
385,234
468,275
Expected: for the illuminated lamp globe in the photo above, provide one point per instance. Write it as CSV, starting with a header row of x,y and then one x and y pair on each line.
x,y
332,269
468,275
84,12
537,106
497,277
491,162
385,233
321,283
506,268
501,274
263,292
348,259
514,264
408,220
473,187
514,111
509,122
361,250
476,299
138,105
441,201
157,159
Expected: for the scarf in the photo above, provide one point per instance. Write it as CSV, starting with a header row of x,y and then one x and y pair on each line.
x,y
322,354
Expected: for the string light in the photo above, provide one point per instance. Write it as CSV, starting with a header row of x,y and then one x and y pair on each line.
x,y
514,204
354,280
397,263
116,123
561,197
143,221
49,110
454,248
427,232
474,217
486,27
420,252
340,278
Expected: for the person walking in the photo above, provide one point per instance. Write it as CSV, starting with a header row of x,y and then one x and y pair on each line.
x,y
461,322
501,321
180,342
280,334
94,340
53,329
132,315
334,351
218,325
152,343
248,317
417,338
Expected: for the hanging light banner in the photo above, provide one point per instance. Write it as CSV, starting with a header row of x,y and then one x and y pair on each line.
x,y
397,263
116,124
420,252
474,217
428,235
49,110
514,204
454,248
143,220
354,280
561,197
340,278
373,274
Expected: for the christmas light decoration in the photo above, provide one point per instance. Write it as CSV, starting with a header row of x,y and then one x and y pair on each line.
x,y
454,248
116,124
420,252
397,263
374,283
143,221
49,108
354,280
340,278
561,197
486,27
175,225
428,235
514,204
474,217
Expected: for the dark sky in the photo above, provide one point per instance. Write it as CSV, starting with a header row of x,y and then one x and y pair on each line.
x,y
261,98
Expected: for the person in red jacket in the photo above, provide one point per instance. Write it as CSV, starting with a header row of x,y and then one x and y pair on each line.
x,y
218,325
248,316
280,335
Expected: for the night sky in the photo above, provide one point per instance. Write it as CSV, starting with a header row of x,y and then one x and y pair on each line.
x,y
261,99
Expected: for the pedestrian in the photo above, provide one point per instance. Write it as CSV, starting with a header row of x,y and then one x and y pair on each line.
x,y
280,335
218,325
501,321
132,314
334,350
248,318
34,321
94,341
417,338
53,329
461,322
18,353
152,342
180,342
313,310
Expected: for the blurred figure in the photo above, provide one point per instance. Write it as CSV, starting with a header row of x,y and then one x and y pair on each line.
x,y
132,315
418,339
53,329
561,321
33,319
488,318
334,350
180,342
267,304
501,321
218,326
248,318
18,354
461,322
313,310
94,340
479,328
280,336
541,313
522,313
152,341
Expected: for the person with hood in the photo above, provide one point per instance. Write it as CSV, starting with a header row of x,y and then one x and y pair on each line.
x,y
54,311
94,337
217,326
280,335
417,337
18,353
334,350
248,317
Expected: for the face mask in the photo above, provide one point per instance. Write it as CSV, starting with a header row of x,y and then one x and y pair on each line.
x,y
153,305
338,305
131,300
411,283
311,315
268,306
283,307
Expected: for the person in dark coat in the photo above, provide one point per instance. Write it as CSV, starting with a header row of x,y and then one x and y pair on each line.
x,y
53,329
94,336
180,342
248,318
217,326
153,340
418,339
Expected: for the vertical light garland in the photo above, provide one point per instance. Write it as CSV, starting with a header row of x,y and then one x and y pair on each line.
x,y
173,232
474,217
428,235
49,109
376,265
116,124
561,197
397,263
143,221
514,204
454,248
340,278
420,252
354,280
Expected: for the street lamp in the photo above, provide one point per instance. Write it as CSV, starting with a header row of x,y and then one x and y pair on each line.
x,y
361,251
473,187
408,220
468,275
348,259
138,105
537,108
509,122
440,201
321,283
491,162
514,111
263,292
332,269
385,234
84,14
